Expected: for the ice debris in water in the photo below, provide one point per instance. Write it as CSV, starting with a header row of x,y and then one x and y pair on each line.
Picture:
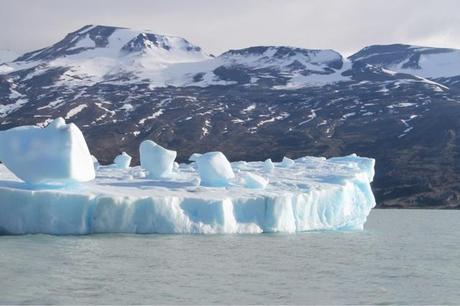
x,y
57,153
158,161
122,160
214,169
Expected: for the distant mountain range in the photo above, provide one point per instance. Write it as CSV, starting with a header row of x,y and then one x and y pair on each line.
x,y
397,103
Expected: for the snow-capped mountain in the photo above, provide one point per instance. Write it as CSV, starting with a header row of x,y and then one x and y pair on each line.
x,y
116,42
122,86
104,54
281,66
97,54
441,64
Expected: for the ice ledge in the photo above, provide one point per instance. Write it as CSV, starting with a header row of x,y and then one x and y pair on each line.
x,y
314,194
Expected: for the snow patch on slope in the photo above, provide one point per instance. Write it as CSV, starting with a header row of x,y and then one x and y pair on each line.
x,y
75,111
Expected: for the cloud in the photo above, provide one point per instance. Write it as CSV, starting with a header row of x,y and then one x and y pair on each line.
x,y
217,26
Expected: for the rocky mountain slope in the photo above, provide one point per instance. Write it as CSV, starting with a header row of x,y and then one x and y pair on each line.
x,y
396,103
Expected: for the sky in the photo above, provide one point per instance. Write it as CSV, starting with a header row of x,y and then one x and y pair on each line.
x,y
218,25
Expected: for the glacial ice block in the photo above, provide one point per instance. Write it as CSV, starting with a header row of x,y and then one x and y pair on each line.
x,y
122,160
55,154
95,162
194,156
287,162
251,180
158,161
214,169
314,194
268,165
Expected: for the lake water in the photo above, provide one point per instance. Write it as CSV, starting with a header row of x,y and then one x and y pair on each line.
x,y
402,257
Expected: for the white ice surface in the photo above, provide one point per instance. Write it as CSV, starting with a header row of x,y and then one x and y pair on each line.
x,y
315,194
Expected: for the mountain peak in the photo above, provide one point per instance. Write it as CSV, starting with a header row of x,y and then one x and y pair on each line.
x,y
423,61
290,55
119,39
145,41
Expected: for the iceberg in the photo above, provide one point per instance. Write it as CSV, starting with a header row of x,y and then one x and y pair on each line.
x,y
311,194
57,153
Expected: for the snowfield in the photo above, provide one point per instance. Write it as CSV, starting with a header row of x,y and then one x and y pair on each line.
x,y
308,194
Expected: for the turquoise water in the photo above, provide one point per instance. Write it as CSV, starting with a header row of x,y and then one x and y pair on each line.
x,y
402,257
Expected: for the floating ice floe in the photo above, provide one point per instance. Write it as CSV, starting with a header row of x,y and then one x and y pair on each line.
x,y
55,154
